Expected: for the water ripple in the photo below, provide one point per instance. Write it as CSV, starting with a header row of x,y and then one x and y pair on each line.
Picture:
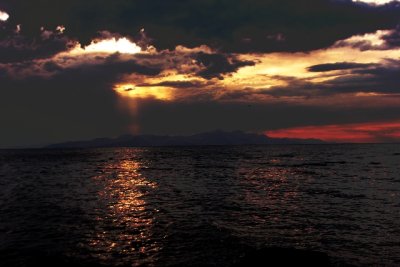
x,y
202,206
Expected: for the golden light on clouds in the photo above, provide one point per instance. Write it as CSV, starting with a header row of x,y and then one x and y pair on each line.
x,y
144,92
252,78
271,71
4,16
179,78
167,86
270,67
109,46
374,40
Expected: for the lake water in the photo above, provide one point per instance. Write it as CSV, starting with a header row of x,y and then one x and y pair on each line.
x,y
199,206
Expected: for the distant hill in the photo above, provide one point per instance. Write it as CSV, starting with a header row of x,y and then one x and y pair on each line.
x,y
204,139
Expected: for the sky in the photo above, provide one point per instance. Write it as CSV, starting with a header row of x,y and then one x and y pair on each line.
x,y
77,70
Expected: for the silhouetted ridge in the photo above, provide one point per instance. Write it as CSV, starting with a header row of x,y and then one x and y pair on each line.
x,y
202,139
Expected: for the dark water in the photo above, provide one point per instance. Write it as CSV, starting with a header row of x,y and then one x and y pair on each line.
x,y
200,206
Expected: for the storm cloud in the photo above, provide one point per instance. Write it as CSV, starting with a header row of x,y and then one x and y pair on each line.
x,y
69,104
338,66
229,25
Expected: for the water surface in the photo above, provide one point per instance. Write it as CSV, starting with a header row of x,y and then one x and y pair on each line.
x,y
200,205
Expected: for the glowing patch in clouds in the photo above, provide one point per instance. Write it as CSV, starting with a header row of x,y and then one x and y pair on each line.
x,y
376,2
3,16
60,29
159,93
122,45
375,40
109,46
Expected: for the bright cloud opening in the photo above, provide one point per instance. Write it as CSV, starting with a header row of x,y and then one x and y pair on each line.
x,y
375,2
110,46
157,92
375,39
3,16
60,29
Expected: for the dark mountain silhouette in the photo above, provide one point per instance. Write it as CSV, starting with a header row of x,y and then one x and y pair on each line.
x,y
203,139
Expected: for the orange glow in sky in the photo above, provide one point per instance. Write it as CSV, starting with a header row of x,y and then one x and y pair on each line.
x,y
345,133
156,92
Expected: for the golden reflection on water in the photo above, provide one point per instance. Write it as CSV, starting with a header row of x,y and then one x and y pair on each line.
x,y
125,227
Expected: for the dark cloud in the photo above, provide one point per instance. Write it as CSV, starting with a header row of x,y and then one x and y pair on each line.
x,y
205,64
52,67
105,67
393,39
177,84
216,65
338,66
229,25
113,64
66,107
17,48
390,39
381,79
71,104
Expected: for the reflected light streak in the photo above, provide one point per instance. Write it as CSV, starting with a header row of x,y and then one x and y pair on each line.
x,y
126,229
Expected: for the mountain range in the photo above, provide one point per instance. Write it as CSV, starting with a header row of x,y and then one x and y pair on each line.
x,y
220,138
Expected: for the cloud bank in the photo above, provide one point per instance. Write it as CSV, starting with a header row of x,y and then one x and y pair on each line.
x,y
93,69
